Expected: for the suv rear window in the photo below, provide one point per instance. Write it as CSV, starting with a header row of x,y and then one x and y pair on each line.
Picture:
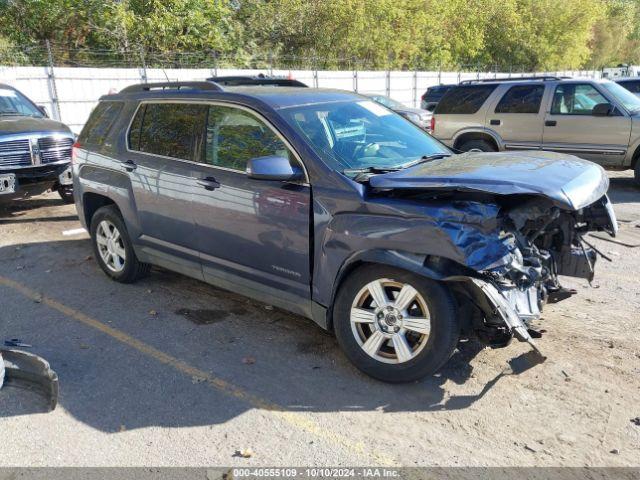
x,y
173,130
521,99
631,85
464,100
100,122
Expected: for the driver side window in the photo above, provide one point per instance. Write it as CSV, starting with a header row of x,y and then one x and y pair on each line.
x,y
575,99
234,136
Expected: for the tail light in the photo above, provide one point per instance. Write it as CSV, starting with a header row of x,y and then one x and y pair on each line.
x,y
74,152
433,124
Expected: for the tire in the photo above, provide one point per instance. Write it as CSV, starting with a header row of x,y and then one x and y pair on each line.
x,y
66,193
478,145
126,268
428,350
636,174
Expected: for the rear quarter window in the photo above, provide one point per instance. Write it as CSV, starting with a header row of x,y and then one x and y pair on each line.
x,y
464,100
100,122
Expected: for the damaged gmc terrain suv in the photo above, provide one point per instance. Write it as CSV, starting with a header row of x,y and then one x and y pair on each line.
x,y
331,206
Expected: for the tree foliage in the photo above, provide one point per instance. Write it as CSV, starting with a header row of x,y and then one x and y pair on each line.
x,y
399,34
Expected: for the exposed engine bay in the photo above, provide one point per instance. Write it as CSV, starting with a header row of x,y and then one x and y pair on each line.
x,y
545,242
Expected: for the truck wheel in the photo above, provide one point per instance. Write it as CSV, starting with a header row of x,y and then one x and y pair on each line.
x,y
112,246
478,145
393,325
66,193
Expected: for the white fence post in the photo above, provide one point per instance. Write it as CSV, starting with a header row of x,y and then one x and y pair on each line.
x,y
387,87
51,81
415,88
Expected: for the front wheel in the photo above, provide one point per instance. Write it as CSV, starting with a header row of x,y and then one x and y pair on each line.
x,y
393,325
66,193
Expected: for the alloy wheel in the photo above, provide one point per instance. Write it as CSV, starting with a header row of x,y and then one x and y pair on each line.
x,y
111,246
390,321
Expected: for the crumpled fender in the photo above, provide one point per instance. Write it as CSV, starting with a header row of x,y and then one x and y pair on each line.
x,y
466,233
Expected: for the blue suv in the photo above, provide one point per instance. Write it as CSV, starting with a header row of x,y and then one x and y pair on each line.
x,y
329,205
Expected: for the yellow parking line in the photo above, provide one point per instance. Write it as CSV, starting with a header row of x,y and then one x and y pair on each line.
x,y
293,418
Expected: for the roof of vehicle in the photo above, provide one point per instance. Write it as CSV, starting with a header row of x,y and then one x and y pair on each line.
x,y
518,80
275,97
625,79
239,80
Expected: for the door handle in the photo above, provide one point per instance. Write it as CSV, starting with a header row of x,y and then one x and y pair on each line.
x,y
129,166
496,122
550,123
209,183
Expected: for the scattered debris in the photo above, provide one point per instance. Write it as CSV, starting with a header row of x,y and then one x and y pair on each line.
x,y
531,449
245,453
122,428
248,360
203,317
615,451
268,307
84,346
636,421
153,313
197,379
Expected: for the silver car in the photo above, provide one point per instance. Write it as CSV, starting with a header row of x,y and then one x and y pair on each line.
x,y
598,120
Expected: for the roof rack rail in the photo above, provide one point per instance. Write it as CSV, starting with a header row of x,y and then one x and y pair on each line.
x,y
512,79
147,87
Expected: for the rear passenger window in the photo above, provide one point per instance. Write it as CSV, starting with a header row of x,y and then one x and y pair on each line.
x,y
234,136
521,99
173,130
100,122
632,85
464,100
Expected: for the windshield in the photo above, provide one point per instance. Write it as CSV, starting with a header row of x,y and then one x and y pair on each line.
x,y
624,96
361,135
13,102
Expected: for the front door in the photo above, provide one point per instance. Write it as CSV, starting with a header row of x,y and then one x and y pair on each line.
x,y
517,117
570,126
253,235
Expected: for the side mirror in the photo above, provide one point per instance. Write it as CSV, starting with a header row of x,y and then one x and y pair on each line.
x,y
43,110
273,167
602,110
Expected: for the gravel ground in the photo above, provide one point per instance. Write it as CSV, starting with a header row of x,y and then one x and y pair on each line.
x,y
172,372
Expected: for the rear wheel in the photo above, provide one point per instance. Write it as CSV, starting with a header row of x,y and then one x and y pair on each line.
x,y
112,247
477,145
393,325
636,172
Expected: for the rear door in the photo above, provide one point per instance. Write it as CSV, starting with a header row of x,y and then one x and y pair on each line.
x,y
571,127
253,235
517,118
163,141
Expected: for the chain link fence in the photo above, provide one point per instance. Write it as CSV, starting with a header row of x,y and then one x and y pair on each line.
x,y
69,82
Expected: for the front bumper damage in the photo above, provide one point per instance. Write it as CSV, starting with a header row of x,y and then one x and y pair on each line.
x,y
515,307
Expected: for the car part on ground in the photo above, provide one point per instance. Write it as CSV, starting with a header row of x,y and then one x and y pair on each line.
x,y
597,120
402,249
26,370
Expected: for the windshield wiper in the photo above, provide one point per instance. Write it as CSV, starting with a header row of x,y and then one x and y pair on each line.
x,y
426,158
359,174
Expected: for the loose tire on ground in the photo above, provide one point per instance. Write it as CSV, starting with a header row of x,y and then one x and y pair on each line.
x,y
128,268
430,354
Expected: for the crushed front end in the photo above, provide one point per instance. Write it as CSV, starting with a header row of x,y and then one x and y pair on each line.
x,y
544,241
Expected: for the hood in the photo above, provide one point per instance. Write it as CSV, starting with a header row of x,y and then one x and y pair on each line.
x,y
569,182
15,125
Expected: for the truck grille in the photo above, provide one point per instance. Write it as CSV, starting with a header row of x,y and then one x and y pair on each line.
x,y
54,149
15,153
